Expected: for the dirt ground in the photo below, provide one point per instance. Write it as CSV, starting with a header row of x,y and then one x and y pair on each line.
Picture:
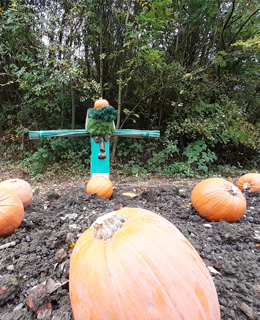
x,y
61,211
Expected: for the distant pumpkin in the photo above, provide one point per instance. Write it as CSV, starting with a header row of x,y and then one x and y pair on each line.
x,y
102,186
21,188
218,199
100,103
11,212
249,181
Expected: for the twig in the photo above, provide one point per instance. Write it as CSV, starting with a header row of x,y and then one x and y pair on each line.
x,y
7,245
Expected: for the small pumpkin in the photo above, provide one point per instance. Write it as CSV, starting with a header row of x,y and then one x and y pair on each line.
x,y
134,264
21,188
11,212
100,103
100,185
218,199
249,181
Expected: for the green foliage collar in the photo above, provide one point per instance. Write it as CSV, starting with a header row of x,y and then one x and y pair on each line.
x,y
106,113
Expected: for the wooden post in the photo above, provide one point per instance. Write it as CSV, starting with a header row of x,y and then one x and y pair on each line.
x,y
99,166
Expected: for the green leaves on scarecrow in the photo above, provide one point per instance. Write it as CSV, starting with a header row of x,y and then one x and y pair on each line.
x,y
100,121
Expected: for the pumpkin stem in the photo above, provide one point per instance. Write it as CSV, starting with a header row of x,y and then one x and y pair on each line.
x,y
246,186
106,225
233,190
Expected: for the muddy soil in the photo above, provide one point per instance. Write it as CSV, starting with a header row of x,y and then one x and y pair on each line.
x,y
62,211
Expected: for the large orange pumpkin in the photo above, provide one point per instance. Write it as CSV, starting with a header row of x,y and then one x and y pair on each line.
x,y
249,181
102,186
21,188
134,264
11,212
100,103
218,199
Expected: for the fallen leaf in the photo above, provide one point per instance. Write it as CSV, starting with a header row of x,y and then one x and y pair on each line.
x,y
130,194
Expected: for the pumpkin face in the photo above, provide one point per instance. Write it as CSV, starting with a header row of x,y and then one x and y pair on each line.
x,y
11,212
217,199
102,186
249,181
21,189
100,103
134,264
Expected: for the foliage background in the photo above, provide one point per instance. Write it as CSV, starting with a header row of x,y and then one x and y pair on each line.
x,y
188,68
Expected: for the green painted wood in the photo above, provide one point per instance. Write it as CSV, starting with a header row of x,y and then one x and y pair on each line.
x,y
82,132
99,167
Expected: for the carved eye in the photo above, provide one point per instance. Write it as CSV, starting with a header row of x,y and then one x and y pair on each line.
x,y
107,137
96,139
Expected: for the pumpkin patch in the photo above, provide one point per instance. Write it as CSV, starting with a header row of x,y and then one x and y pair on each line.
x,y
143,254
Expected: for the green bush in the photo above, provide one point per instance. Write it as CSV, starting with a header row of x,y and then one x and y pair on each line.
x,y
74,151
224,128
199,156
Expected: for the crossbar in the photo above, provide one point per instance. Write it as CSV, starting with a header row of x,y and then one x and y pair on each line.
x,y
82,132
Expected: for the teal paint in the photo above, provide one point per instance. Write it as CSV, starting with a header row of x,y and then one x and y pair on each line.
x,y
99,167
128,133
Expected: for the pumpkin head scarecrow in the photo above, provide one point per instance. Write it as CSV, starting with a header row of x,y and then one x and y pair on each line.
x,y
100,124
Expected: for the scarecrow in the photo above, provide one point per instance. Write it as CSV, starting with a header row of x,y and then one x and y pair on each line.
x,y
100,124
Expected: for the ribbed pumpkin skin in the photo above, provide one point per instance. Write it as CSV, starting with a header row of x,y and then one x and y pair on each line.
x,y
102,186
21,188
101,103
214,202
11,212
253,179
147,271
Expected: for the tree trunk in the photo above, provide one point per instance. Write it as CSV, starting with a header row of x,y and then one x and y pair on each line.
x,y
73,109
113,153
101,58
62,108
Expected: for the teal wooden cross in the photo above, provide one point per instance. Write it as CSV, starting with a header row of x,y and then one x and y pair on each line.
x,y
100,155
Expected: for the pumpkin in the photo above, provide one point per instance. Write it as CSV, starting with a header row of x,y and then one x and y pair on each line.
x,y
11,212
21,188
100,103
249,181
100,185
218,199
134,264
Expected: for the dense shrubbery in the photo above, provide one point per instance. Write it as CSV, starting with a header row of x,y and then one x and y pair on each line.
x,y
134,157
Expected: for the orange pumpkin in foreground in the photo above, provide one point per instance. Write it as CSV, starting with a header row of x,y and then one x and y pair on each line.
x,y
102,186
100,103
218,199
249,181
134,264
11,212
21,188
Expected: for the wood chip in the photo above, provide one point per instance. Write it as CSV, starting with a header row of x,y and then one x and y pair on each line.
x,y
7,245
